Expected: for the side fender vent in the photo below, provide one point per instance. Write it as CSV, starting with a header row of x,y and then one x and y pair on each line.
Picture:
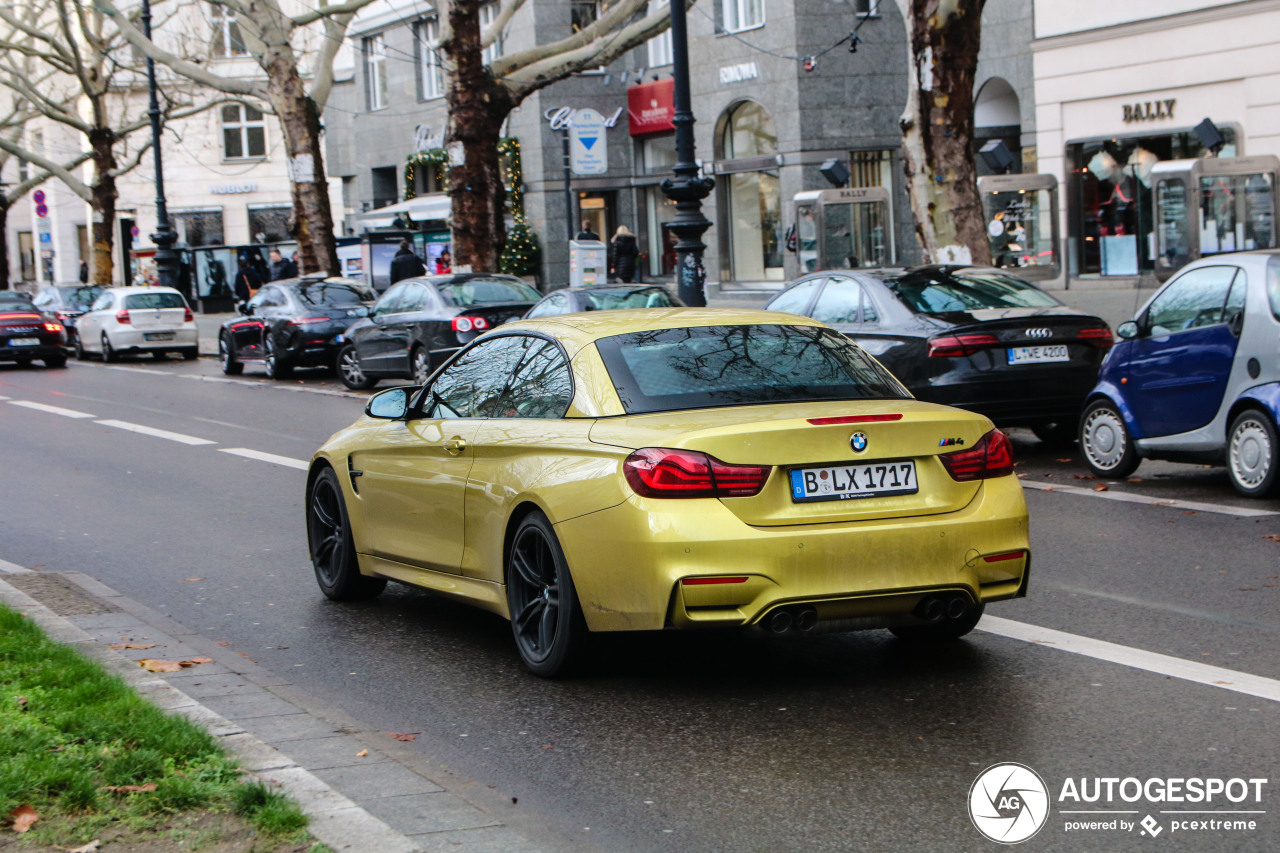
x,y
354,474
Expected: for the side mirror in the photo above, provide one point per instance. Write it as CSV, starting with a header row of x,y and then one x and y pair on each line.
x,y
1128,330
391,404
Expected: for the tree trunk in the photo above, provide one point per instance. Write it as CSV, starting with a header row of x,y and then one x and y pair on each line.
x,y
937,129
4,244
312,219
478,105
102,142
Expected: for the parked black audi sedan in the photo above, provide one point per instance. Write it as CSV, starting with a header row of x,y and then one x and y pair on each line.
x,y
293,323
603,297
26,334
973,337
67,302
419,322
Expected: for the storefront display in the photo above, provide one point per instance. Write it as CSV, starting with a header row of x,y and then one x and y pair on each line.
x,y
1021,213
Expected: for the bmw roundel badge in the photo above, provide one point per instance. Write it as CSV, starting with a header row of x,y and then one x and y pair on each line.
x,y
858,441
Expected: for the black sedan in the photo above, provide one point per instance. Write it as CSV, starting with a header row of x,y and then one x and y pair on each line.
x,y
293,323
603,297
27,334
419,322
972,337
67,302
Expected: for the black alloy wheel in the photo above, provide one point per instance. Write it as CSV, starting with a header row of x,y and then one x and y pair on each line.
x,y
109,355
190,353
946,629
333,551
227,356
421,365
276,369
550,631
350,371
55,361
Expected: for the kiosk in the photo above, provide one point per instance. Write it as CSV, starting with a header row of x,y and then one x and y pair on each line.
x,y
588,263
1021,212
844,228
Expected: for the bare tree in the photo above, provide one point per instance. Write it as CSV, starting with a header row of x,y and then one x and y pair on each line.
x,y
66,62
481,97
269,37
943,37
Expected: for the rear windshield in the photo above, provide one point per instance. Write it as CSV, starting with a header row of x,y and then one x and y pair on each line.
x,y
639,297
154,300
672,369
484,291
929,292
80,297
333,294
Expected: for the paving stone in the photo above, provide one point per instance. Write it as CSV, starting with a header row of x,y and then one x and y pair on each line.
x,y
202,686
356,831
490,839
289,727
250,702
377,779
414,814
255,755
322,753
216,724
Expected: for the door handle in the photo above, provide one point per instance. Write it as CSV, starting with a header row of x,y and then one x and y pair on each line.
x,y
455,445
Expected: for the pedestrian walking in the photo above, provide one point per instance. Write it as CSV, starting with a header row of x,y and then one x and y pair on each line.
x,y
280,268
623,251
406,264
84,272
586,233
248,282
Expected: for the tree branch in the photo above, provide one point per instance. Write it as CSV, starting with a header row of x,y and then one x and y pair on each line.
x,y
16,192
505,14
62,173
602,28
350,7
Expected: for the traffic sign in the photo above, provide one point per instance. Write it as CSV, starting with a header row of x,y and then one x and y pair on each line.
x,y
42,210
38,196
588,147
46,237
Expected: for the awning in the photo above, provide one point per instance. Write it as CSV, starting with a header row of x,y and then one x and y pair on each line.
x,y
432,206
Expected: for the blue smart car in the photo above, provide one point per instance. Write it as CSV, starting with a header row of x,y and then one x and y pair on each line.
x,y
1195,376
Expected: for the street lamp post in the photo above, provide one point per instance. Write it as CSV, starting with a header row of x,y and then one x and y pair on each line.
x,y
164,238
687,189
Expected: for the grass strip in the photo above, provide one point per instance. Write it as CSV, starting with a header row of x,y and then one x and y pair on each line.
x,y
70,731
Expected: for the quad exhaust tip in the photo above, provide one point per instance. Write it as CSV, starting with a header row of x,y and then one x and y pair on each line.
x,y
787,619
936,608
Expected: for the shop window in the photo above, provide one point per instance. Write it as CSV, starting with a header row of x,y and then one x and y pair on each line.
x,y
749,132
199,227
375,71
269,223
430,69
1235,212
751,200
244,133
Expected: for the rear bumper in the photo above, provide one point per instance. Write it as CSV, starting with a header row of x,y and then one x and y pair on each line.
x,y
628,562
124,340
44,350
1016,403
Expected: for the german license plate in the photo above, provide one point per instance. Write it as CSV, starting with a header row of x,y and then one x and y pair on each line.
x,y
847,482
24,342
1038,355
157,336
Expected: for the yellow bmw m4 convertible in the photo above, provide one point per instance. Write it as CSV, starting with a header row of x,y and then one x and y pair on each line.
x,y
678,468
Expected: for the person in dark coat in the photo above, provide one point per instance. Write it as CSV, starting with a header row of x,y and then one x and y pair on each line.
x,y
624,251
84,272
280,268
586,233
248,282
406,264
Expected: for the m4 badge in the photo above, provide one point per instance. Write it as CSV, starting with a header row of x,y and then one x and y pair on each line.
x,y
950,442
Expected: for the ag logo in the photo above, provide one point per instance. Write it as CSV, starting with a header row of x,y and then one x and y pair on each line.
x,y
858,441
1009,803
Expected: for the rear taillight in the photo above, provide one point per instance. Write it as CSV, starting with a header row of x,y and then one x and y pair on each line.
x,y
122,317
187,316
991,457
303,321
470,324
953,346
53,327
1098,336
661,472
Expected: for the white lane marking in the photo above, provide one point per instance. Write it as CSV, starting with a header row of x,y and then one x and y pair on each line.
x,y
136,369
157,433
1213,676
53,410
288,462
6,398
248,383
1130,497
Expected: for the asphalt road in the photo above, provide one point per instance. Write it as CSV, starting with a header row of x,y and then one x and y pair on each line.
x,y
691,742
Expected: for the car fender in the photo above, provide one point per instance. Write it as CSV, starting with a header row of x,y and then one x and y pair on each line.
x,y
1108,390
1266,397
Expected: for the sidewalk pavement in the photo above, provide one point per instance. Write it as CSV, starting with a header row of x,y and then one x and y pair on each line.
x,y
363,790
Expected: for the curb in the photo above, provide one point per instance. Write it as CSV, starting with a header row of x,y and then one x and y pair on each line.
x,y
360,793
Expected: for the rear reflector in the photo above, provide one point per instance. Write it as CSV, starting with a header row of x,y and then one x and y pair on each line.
x,y
702,581
1099,337
855,419
1000,558
953,346
660,472
991,457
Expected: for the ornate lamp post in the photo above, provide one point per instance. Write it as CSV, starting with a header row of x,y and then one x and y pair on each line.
x,y
164,238
687,189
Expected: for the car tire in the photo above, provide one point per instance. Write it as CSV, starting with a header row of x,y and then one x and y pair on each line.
x,y
1252,448
81,353
1056,434
546,619
1105,442
350,371
160,355
109,355
275,368
420,365
227,357
332,548
191,353
55,361
939,632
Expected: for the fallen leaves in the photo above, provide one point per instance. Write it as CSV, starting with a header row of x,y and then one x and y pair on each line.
x,y
1272,537
192,580
156,665
139,646
1101,487
1068,459
405,736
1084,476
21,818
223,643
364,753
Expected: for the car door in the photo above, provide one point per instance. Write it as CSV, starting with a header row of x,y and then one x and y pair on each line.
x,y
374,343
89,325
1177,370
248,333
413,480
419,312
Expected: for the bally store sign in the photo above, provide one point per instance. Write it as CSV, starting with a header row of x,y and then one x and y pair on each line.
x,y
1149,110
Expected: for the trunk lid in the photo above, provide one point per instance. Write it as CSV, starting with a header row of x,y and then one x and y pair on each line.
x,y
1022,341
157,318
784,436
